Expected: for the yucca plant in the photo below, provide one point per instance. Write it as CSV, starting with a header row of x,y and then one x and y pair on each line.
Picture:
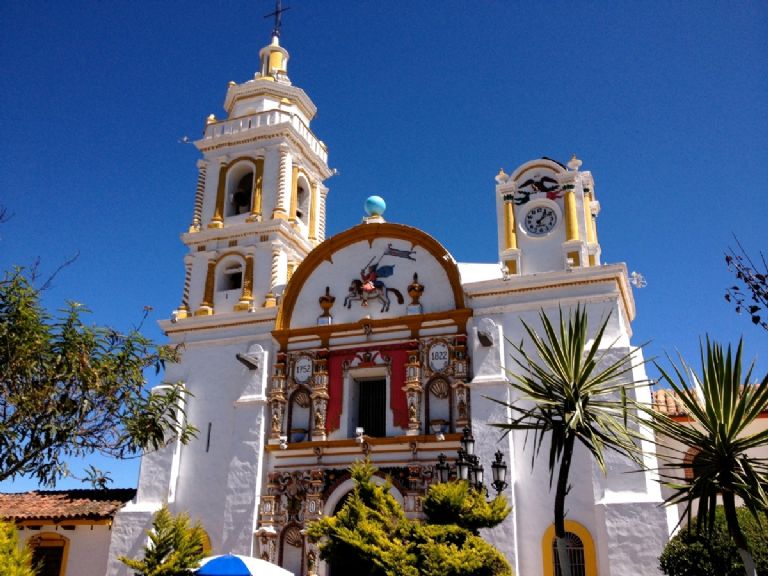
x,y
721,404
570,390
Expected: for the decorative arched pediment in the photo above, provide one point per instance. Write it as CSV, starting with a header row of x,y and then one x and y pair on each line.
x,y
374,270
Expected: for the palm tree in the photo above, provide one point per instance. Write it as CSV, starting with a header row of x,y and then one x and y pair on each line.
x,y
721,405
570,391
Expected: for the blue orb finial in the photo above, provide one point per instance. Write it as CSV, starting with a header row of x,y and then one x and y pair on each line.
x,y
375,206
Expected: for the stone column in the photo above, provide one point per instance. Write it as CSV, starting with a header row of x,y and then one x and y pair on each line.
x,y
282,183
197,215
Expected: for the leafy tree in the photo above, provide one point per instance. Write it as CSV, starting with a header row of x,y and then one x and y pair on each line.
x,y
175,548
695,551
371,534
572,392
14,561
722,405
69,389
752,295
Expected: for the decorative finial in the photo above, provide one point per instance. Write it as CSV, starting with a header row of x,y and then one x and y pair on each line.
x,y
375,206
501,176
278,17
574,163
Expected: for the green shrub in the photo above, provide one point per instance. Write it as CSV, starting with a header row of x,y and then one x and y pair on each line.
x,y
14,561
694,553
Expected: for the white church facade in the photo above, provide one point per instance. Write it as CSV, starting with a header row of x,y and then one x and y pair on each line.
x,y
303,354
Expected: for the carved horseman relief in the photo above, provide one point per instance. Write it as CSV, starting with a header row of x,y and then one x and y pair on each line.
x,y
371,285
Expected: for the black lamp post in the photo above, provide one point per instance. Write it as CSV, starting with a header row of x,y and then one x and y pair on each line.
x,y
443,469
468,466
462,465
499,470
468,442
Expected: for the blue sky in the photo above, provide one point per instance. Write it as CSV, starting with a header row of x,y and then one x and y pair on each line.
x,y
420,102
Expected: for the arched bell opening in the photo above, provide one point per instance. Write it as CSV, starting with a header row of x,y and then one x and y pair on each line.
x,y
240,189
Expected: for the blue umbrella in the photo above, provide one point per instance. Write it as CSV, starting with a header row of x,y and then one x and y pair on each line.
x,y
235,565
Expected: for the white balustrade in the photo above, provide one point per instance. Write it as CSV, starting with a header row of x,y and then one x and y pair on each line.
x,y
268,118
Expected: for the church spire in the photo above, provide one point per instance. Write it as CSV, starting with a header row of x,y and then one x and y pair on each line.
x,y
274,58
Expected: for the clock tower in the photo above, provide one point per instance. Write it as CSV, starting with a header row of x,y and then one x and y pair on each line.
x,y
260,199
546,218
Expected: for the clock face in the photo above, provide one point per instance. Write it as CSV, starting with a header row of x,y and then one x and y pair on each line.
x,y
540,220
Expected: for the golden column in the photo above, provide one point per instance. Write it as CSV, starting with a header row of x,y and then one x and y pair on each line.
x,y
258,188
246,298
571,220
510,234
294,194
218,214
206,306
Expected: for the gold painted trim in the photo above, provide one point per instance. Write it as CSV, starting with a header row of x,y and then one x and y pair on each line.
x,y
366,232
571,219
590,223
210,278
575,258
590,558
218,214
510,234
413,323
378,441
52,540
258,185
64,522
290,135
187,328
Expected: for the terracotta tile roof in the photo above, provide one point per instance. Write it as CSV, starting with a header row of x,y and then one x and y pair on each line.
x,y
667,402
64,504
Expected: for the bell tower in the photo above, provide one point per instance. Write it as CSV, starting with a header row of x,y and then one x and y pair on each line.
x,y
260,200
546,216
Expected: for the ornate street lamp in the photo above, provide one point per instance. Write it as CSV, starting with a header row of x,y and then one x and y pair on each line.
x,y
477,473
499,470
443,469
462,465
468,466
468,442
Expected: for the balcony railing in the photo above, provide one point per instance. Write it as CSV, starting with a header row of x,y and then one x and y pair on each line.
x,y
261,119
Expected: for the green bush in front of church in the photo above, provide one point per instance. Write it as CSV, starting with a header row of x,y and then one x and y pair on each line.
x,y
695,553
14,561
371,534
174,549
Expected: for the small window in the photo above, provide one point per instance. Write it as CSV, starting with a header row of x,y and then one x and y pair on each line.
x,y
575,554
232,278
